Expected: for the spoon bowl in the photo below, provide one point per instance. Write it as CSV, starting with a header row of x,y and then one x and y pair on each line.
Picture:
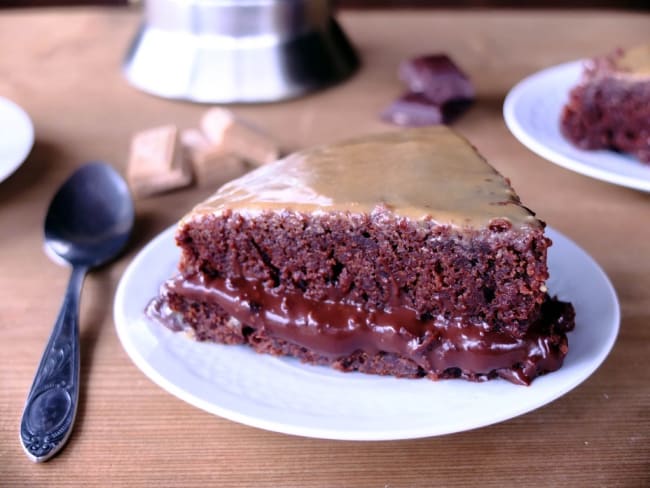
x,y
90,217
87,224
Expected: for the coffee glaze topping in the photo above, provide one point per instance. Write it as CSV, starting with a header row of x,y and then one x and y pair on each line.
x,y
426,173
335,329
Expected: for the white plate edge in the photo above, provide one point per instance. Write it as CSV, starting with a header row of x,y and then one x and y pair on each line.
x,y
29,126
363,435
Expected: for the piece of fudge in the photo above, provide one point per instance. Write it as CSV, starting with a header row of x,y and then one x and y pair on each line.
x,y
438,92
437,78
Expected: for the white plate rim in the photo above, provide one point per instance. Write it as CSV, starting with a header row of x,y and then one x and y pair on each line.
x,y
25,128
121,323
566,155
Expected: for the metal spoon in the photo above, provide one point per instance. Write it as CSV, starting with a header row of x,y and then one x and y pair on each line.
x,y
87,224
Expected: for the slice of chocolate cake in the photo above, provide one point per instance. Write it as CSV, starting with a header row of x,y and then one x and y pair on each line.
x,y
610,107
403,254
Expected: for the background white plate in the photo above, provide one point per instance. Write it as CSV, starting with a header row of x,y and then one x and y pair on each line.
x,y
532,112
16,137
283,395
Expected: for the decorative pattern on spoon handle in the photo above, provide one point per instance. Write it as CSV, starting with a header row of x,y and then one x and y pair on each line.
x,y
52,401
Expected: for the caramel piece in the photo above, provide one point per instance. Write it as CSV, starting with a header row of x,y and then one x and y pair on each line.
x,y
236,137
438,92
156,163
212,165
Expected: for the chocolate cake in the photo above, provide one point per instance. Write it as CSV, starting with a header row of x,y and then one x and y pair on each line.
x,y
610,107
401,254
438,92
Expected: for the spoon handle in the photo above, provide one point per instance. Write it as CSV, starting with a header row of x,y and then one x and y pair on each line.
x,y
52,401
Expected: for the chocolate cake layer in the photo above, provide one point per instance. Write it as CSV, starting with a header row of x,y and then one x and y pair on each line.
x,y
415,110
610,107
496,275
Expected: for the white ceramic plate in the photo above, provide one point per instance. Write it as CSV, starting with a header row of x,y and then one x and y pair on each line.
x,y
16,137
283,395
532,112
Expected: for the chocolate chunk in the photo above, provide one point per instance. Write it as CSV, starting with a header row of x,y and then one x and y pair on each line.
x,y
436,77
416,110
438,92
213,165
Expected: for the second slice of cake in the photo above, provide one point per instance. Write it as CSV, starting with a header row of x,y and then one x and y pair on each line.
x,y
402,253
610,107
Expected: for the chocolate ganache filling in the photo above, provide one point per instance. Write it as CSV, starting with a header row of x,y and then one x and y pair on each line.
x,y
335,329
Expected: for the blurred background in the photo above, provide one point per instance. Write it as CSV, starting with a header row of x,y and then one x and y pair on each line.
x,y
624,4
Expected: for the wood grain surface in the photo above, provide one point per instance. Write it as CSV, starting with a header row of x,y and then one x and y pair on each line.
x,y
63,67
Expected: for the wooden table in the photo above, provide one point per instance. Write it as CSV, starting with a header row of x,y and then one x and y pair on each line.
x,y
63,67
